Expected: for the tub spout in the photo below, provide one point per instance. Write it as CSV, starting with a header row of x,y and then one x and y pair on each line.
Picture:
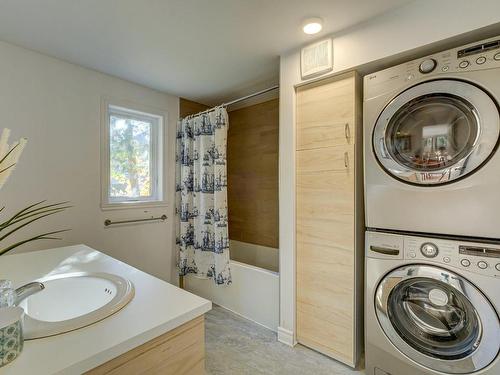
x,y
27,290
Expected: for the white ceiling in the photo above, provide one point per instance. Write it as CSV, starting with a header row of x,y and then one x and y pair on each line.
x,y
206,50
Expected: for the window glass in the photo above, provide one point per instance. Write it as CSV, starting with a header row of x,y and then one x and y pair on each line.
x,y
434,318
130,152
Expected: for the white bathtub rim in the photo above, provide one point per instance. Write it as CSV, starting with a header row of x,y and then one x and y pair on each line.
x,y
255,268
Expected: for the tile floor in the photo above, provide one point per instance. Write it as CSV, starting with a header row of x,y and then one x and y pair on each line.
x,y
236,346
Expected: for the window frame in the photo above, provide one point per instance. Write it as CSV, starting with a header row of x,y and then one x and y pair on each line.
x,y
158,120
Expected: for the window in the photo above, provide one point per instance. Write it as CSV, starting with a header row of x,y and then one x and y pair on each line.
x,y
133,157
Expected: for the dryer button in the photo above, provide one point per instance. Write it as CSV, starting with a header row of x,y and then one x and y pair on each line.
x,y
446,259
465,262
427,66
483,265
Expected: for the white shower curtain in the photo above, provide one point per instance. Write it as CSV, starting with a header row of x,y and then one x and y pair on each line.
x,y
201,196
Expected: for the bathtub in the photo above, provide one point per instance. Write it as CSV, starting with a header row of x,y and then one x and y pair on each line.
x,y
253,294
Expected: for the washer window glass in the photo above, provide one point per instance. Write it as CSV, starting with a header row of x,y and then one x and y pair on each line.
x,y
432,132
434,318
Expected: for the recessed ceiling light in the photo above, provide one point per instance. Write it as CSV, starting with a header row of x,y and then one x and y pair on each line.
x,y
312,25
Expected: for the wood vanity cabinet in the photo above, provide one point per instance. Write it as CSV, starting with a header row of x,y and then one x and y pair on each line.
x,y
178,352
329,217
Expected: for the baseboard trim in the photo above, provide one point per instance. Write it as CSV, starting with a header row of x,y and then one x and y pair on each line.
x,y
285,336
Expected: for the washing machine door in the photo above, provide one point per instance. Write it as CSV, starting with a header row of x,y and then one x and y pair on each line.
x,y
436,132
438,319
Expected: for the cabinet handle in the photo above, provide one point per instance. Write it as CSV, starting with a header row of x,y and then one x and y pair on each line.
x,y
346,159
347,132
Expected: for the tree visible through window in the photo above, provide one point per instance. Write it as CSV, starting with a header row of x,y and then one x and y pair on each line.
x,y
130,158
133,150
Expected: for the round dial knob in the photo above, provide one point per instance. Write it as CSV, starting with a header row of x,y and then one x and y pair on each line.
x,y
429,250
427,66
483,265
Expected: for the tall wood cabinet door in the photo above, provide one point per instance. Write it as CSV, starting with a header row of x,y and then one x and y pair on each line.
x,y
326,114
325,219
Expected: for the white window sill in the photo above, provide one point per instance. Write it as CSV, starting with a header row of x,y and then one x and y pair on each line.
x,y
132,205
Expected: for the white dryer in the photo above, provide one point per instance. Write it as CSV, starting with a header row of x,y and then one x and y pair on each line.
x,y
431,133
431,306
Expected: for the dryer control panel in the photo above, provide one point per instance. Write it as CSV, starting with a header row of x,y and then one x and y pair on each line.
x,y
477,257
481,55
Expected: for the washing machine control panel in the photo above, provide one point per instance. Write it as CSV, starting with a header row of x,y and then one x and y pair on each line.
x,y
474,257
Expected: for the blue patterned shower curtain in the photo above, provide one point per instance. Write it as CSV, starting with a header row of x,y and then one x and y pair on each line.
x,y
201,196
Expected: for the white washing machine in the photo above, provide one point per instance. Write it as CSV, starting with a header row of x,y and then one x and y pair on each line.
x,y
431,306
431,133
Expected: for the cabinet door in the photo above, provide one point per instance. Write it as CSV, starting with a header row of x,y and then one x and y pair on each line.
x,y
326,114
325,209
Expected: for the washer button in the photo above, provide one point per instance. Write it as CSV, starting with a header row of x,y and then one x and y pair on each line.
x,y
482,264
463,64
465,262
445,68
481,60
412,254
446,259
429,250
497,56
497,266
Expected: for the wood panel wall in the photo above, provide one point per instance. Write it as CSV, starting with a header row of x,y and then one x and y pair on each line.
x,y
188,107
252,160
252,167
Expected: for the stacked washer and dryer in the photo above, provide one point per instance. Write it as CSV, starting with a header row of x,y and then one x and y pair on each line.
x,y
432,198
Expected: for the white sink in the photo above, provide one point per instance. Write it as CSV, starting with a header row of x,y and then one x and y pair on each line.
x,y
72,301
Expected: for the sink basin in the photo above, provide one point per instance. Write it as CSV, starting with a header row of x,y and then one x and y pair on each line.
x,y
72,301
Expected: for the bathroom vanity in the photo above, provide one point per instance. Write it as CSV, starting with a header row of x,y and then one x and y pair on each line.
x,y
161,329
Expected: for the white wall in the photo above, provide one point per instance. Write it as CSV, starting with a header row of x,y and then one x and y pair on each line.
x,y
56,105
412,26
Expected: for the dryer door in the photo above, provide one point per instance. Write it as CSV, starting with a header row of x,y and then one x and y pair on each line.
x,y
438,319
436,132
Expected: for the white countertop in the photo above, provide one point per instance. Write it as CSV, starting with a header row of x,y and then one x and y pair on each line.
x,y
157,308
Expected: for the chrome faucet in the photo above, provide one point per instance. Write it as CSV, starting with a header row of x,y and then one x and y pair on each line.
x,y
27,290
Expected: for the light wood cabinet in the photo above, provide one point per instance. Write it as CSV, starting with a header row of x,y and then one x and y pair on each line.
x,y
178,352
329,217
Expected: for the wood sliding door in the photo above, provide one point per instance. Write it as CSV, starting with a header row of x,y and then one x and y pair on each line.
x,y
329,217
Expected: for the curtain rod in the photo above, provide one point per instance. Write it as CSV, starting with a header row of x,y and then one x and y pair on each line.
x,y
237,100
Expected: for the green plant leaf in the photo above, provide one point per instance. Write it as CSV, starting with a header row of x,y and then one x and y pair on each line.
x,y
9,152
25,217
25,224
28,211
44,236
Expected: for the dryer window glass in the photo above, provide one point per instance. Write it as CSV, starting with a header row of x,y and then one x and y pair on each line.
x,y
436,132
434,318
432,132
